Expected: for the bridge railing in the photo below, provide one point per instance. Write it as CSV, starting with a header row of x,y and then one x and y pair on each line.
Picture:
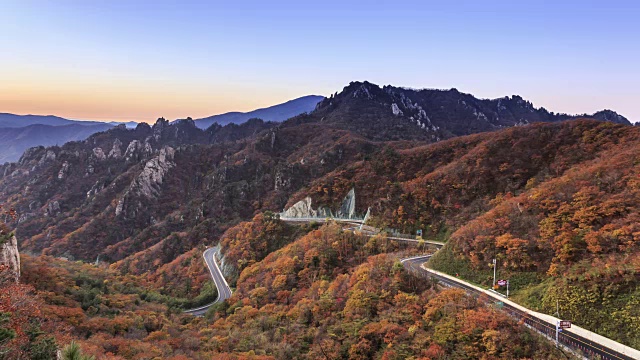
x,y
395,233
322,218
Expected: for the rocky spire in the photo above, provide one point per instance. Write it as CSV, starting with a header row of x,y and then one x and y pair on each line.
x,y
9,251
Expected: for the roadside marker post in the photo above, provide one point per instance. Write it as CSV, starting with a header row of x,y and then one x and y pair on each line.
x,y
561,324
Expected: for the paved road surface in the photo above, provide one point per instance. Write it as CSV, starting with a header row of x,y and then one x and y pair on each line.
x,y
224,291
577,339
568,338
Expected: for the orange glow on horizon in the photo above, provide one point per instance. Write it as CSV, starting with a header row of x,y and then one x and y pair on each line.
x,y
110,100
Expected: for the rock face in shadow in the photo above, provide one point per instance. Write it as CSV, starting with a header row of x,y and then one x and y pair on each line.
x,y
9,254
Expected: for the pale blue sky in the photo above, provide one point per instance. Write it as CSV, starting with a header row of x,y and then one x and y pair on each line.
x,y
138,60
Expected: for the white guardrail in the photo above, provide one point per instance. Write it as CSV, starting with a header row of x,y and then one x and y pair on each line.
x,y
589,335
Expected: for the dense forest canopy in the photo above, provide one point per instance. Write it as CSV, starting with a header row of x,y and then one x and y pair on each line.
x,y
555,203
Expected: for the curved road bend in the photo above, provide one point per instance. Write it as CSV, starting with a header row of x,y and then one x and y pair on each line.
x,y
567,338
224,291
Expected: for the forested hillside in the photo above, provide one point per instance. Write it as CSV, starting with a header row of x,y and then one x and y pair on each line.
x,y
555,202
328,294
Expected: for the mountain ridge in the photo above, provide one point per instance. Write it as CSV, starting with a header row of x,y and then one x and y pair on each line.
x,y
395,113
16,140
278,112
148,199
9,120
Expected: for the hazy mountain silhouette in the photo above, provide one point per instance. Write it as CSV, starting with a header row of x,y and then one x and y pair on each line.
x,y
278,112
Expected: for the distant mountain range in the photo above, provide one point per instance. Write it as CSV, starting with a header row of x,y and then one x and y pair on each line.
x,y
280,112
14,141
20,132
15,121
377,113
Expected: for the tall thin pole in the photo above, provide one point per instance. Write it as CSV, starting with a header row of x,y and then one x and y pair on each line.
x,y
507,288
558,320
494,273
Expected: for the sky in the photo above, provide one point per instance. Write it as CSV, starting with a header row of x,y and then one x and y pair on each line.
x,y
140,60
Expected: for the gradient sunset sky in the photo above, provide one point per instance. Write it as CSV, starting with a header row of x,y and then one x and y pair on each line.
x,y
139,60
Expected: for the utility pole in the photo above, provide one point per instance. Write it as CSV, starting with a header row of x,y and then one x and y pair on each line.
x,y
507,287
557,321
494,273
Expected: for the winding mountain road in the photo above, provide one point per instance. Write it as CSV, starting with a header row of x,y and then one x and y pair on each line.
x,y
224,291
577,339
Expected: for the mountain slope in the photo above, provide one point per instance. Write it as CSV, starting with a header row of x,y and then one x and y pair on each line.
x,y
278,112
146,200
394,113
14,141
140,180
14,121
20,132
555,203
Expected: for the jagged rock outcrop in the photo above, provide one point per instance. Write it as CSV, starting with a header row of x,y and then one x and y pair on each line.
x,y
63,170
137,150
303,209
116,151
394,113
228,270
9,254
147,183
348,206
282,178
133,147
99,154
95,189
53,208
157,128
48,156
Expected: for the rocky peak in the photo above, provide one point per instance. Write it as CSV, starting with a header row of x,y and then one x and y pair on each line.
x,y
30,154
157,128
160,123
143,127
610,115
397,113
187,123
